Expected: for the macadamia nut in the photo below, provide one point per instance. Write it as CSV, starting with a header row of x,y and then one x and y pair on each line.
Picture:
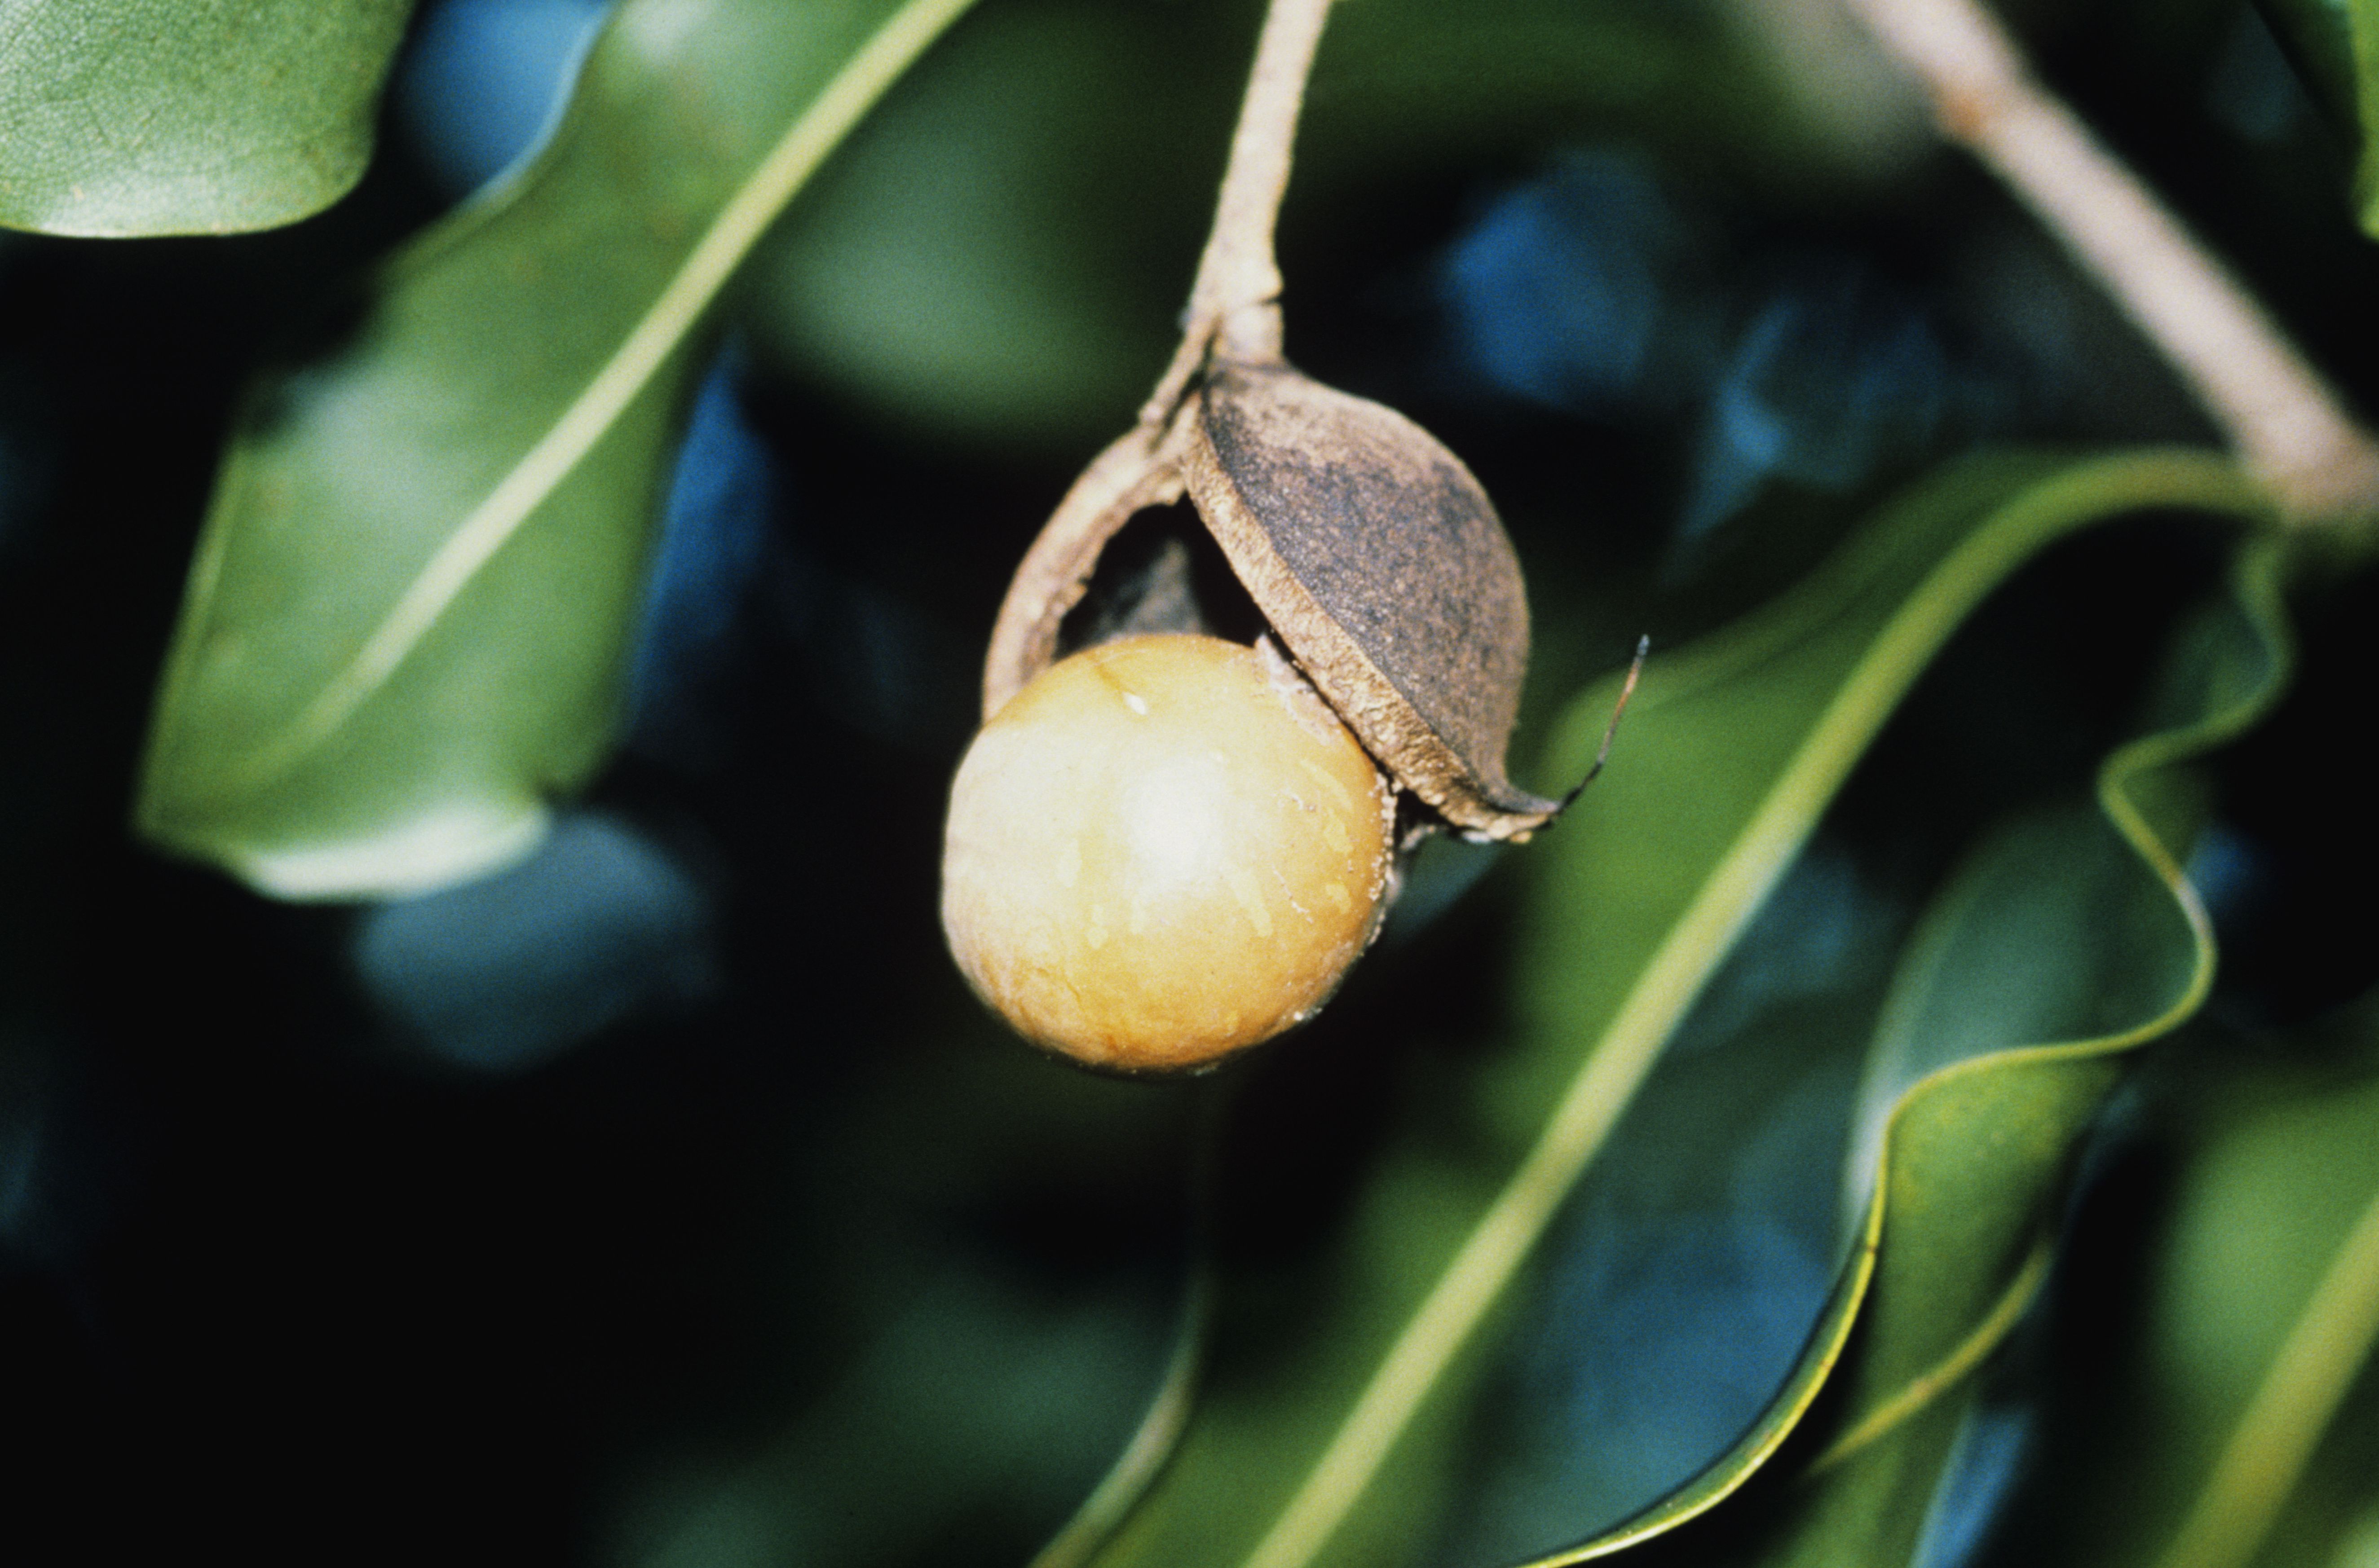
x,y
1163,849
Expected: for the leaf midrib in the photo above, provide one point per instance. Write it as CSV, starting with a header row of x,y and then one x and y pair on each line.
x,y
1622,1059
2290,1409
740,221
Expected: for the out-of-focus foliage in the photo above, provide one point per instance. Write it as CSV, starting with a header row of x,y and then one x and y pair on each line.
x,y
486,81
961,1406
2068,935
511,969
1338,1448
1008,285
1001,254
121,117
2246,1347
341,721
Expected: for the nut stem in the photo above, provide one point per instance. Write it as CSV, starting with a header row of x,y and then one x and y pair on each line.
x,y
2285,423
1234,303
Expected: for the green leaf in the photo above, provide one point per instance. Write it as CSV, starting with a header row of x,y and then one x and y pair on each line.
x,y
2236,1417
2336,44
2069,938
1000,254
124,117
937,1398
2297,1192
1674,1290
976,1394
410,609
1326,1440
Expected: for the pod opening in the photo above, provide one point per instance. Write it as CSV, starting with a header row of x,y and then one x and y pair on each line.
x,y
1161,572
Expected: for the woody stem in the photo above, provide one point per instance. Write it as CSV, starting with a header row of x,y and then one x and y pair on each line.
x,y
1234,304
2285,423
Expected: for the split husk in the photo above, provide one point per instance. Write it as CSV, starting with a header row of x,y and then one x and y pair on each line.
x,y
1374,556
1371,551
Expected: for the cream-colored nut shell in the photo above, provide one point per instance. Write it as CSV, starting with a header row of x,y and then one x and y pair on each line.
x,y
1162,849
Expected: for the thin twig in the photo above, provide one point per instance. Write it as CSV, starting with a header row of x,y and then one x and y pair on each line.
x,y
1234,304
2285,423
1618,712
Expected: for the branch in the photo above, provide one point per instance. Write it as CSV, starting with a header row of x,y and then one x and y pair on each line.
x,y
2285,423
1234,304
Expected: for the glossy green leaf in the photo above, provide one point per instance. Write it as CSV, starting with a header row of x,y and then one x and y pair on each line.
x,y
409,613
1674,1292
2232,1415
1328,1440
2069,938
121,117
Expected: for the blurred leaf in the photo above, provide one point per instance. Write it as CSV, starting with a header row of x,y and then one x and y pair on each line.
x,y
2297,1191
1674,1291
996,1314
1001,254
2068,937
977,1394
2335,45
123,117
1002,250
1325,1439
411,608
2250,1359
1796,95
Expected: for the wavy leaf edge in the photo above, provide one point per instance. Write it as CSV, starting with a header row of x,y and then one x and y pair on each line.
x,y
2256,586
2064,493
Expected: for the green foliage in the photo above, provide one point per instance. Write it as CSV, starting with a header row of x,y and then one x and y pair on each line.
x,y
2061,942
121,117
405,638
2250,1353
961,1402
1335,1451
999,255
401,723
527,355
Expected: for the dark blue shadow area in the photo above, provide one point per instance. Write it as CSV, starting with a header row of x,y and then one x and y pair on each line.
x,y
483,82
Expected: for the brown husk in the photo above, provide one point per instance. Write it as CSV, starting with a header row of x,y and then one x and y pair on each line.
x,y
1382,565
1375,556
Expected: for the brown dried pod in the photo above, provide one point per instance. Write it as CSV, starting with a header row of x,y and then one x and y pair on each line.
x,y
1370,549
1165,849
1382,566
